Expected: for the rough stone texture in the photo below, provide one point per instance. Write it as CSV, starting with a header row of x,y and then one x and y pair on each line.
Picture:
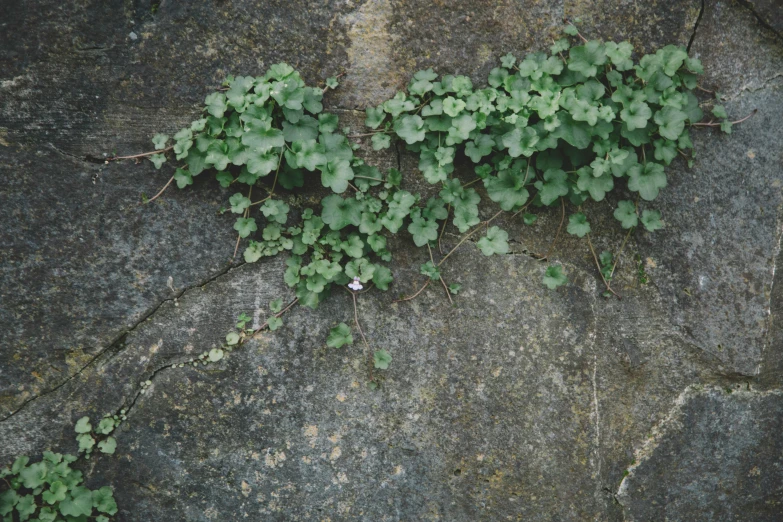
x,y
516,404
703,463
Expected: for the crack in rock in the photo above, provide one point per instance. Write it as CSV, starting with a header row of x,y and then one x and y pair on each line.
x,y
672,421
749,6
696,27
118,344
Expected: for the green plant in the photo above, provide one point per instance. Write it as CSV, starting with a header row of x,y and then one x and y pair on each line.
x,y
51,490
572,124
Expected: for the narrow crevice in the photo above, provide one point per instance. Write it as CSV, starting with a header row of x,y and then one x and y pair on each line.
x,y
749,6
86,159
696,26
118,343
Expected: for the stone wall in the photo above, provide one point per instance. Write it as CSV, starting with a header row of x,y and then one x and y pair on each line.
x,y
516,403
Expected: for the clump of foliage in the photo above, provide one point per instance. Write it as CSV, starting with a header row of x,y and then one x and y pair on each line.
x,y
51,490
575,123
568,125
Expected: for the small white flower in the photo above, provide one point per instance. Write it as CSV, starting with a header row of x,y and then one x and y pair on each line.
x,y
356,285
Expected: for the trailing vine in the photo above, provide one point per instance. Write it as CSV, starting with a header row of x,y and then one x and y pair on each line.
x,y
569,125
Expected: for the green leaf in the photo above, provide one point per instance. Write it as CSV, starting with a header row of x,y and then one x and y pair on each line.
x,y
105,426
410,128
332,82
82,426
453,106
529,219
360,268
382,277
262,164
423,230
262,139
380,141
553,187
375,116
480,147
636,115
56,492
671,122
430,270
183,178
647,180
303,130
276,306
274,323
232,338
554,277
665,150
454,288
651,219
215,104
215,354
381,359
578,225
108,446
625,213
34,475
160,141
508,189
495,242
336,175
8,500
103,500
309,154
25,507
620,54
339,336
77,503
22,461
521,142
725,126
508,60
338,213
238,203
398,105
275,210
596,187
245,226
158,160
586,58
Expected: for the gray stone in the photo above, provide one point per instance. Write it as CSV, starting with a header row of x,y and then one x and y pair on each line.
x,y
515,403
717,456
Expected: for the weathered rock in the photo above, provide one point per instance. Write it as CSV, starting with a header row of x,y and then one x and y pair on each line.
x,y
515,403
717,456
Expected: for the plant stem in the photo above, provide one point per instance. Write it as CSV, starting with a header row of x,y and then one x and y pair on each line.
x,y
366,134
443,229
717,124
559,229
156,196
266,323
115,158
416,294
622,247
359,327
482,224
446,288
597,264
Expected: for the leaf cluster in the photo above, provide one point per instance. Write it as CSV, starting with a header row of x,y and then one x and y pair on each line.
x,y
51,491
576,122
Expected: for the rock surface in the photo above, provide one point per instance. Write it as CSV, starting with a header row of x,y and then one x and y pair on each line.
x,y
518,403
